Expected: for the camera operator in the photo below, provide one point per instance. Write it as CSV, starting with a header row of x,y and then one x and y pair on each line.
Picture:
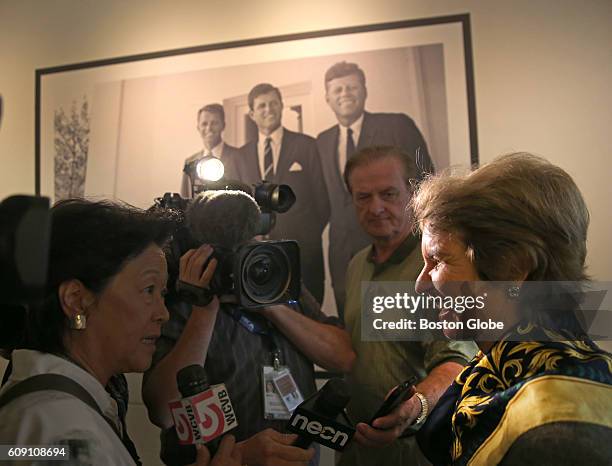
x,y
244,349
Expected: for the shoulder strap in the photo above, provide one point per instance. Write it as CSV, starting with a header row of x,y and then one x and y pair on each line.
x,y
58,383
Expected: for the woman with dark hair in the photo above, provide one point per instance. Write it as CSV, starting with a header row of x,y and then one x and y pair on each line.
x,y
540,391
102,315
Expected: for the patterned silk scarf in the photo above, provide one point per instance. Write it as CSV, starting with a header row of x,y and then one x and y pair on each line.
x,y
516,386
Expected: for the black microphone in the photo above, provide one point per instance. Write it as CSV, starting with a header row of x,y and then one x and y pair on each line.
x,y
321,418
223,218
202,415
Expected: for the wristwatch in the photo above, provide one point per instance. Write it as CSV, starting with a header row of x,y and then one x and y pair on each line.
x,y
413,428
419,421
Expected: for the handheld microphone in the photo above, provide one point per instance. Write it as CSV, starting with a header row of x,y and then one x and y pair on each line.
x,y
204,412
201,416
321,418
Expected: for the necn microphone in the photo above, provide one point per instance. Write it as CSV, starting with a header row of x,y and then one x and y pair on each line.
x,y
321,418
204,412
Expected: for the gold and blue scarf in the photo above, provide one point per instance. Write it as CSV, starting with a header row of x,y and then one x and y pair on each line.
x,y
530,378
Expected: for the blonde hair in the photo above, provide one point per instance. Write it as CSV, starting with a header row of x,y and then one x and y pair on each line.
x,y
518,214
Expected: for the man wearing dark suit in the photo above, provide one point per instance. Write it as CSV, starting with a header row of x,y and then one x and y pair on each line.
x,y
211,123
285,157
346,93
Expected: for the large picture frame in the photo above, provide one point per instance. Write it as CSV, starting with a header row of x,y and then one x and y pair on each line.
x,y
123,127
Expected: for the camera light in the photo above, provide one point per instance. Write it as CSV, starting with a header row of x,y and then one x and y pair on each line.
x,y
210,169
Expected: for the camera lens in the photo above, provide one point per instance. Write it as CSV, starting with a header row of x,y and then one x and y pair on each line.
x,y
261,271
266,274
274,197
282,198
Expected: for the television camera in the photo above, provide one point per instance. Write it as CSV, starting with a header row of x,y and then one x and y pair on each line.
x,y
229,215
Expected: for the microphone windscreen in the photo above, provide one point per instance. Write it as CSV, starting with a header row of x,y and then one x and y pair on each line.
x,y
333,397
223,218
191,380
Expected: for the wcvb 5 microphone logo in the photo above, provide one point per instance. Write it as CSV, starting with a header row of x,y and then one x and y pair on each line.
x,y
203,417
213,412
209,415
182,424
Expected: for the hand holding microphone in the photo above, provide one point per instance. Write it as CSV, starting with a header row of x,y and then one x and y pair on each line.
x,y
271,448
202,414
227,454
321,418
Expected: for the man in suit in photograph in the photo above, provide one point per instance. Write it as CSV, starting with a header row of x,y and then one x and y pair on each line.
x,y
211,123
346,93
282,156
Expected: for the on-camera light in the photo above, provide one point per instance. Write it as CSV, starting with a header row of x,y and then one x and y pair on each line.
x,y
210,168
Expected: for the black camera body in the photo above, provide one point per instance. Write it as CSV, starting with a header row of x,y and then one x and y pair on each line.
x,y
227,216
258,273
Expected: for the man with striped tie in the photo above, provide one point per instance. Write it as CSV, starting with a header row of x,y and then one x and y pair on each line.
x,y
282,156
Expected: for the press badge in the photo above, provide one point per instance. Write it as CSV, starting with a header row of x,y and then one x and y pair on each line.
x,y
280,392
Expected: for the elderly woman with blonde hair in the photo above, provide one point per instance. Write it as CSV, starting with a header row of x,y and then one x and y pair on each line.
x,y
540,390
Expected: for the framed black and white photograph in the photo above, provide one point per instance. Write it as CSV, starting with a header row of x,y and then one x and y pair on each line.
x,y
127,127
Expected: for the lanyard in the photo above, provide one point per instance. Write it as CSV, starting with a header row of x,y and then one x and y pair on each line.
x,y
258,325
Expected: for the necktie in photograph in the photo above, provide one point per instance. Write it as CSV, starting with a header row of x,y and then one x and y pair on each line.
x,y
268,160
350,144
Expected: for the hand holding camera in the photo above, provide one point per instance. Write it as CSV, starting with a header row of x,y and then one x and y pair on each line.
x,y
255,273
196,269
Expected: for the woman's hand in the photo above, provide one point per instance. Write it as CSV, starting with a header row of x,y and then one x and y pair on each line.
x,y
385,430
227,455
271,448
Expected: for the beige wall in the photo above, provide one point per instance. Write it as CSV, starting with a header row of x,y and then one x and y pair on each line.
x,y
542,70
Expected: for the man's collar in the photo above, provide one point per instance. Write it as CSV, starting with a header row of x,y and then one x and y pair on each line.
x,y
276,135
400,253
356,125
216,151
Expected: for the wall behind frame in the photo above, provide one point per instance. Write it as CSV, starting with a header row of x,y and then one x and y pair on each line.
x,y
542,71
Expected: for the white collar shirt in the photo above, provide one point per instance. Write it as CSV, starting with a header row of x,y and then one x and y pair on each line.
x,y
49,417
216,151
